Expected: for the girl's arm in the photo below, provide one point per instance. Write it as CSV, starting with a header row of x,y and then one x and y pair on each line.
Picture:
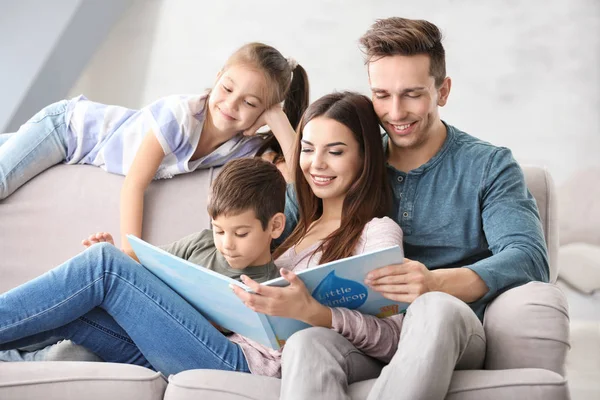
x,y
143,169
283,131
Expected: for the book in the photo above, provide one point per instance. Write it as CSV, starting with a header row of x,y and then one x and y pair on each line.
x,y
335,284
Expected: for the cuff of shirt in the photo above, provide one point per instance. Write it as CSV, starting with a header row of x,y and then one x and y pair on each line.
x,y
337,319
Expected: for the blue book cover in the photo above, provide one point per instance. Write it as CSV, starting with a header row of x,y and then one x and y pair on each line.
x,y
334,284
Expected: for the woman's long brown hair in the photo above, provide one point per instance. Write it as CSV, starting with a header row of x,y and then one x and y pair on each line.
x,y
367,198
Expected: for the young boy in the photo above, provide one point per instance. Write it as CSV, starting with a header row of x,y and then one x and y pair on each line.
x,y
246,204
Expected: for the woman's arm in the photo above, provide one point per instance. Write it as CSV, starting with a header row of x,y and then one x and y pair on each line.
x,y
143,169
376,337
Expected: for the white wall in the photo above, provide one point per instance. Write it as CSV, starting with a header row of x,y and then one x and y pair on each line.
x,y
43,48
525,73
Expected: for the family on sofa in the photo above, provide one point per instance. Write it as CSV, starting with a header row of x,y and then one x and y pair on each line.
x,y
459,206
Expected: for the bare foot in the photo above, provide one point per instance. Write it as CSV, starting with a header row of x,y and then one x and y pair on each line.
x,y
99,237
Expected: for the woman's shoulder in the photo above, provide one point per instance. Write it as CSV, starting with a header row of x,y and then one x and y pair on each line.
x,y
384,223
379,233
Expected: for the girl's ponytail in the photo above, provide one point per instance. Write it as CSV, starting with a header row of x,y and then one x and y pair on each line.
x,y
296,100
294,104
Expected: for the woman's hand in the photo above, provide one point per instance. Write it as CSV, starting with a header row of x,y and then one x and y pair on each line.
x,y
293,301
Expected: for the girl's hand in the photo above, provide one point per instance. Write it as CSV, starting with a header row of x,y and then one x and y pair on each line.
x,y
267,118
293,301
99,237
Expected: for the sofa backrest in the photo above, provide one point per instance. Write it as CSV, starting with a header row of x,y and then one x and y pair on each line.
x,y
42,224
541,186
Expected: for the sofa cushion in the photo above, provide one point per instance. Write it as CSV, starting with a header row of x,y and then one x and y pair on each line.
x,y
580,266
524,383
466,385
579,209
79,380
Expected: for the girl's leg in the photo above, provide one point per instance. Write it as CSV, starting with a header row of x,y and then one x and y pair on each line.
x,y
39,144
168,331
4,137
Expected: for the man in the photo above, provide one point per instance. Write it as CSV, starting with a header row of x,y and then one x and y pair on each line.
x,y
471,231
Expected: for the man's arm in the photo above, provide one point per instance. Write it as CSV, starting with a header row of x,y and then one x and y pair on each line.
x,y
512,227
513,231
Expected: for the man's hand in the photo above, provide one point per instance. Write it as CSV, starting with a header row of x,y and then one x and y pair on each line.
x,y
407,281
403,282
99,237
293,301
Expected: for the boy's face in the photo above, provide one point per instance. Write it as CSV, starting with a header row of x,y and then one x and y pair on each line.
x,y
406,99
243,241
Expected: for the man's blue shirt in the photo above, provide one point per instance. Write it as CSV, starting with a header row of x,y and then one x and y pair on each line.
x,y
466,207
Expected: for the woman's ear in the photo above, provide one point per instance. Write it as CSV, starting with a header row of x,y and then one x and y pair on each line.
x,y
277,225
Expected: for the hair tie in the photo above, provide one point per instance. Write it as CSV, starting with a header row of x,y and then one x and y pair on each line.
x,y
292,63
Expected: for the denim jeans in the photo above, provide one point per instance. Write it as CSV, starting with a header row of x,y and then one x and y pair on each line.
x,y
105,301
39,144
64,350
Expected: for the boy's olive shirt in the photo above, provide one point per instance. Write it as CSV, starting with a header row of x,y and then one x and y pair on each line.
x,y
199,248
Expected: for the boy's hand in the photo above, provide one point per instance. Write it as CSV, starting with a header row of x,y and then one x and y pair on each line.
x,y
293,301
98,238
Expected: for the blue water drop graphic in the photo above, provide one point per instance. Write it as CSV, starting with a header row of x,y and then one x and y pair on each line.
x,y
334,291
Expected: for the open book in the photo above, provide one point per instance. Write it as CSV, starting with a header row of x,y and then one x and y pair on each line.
x,y
334,284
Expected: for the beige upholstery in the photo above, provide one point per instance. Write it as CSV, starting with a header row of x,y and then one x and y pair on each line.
x,y
43,223
80,380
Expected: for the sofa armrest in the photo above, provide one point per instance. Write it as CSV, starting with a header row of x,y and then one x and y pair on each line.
x,y
528,327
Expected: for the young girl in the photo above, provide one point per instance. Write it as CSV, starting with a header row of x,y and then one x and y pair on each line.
x,y
174,135
344,197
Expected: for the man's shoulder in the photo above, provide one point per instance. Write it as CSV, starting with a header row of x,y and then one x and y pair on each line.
x,y
467,145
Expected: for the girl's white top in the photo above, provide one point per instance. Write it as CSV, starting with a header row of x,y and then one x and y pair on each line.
x,y
109,136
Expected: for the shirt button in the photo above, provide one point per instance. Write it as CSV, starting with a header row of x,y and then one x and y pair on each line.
x,y
405,214
400,178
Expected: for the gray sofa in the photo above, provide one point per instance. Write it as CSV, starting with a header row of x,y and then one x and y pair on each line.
x,y
43,223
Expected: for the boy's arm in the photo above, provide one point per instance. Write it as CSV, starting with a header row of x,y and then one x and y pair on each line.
x,y
142,171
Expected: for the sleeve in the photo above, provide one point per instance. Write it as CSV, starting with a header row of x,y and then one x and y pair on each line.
x,y
512,227
185,247
376,337
168,119
380,233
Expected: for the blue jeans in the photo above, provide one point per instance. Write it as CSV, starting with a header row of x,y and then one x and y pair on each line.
x,y
39,144
105,301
